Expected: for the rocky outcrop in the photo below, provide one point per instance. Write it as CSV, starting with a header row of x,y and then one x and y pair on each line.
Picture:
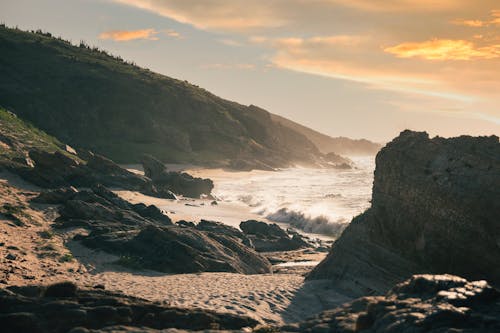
x,y
165,181
434,210
63,308
143,237
53,170
423,303
270,237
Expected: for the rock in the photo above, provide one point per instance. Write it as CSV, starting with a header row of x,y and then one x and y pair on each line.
x,y
223,229
10,256
153,168
55,196
270,237
61,289
430,197
423,303
144,237
262,229
97,310
53,170
165,181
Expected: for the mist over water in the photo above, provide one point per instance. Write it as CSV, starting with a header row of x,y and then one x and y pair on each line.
x,y
321,201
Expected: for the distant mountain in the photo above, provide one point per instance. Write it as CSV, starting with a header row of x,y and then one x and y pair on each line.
x,y
90,99
326,144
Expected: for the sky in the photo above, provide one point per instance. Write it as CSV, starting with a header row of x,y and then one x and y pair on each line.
x,y
355,68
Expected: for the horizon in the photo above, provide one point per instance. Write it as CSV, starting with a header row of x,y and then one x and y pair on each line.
x,y
298,63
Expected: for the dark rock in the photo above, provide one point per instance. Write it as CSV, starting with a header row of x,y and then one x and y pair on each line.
x,y
176,182
55,196
100,311
434,209
187,224
62,289
223,229
144,237
270,237
53,170
423,303
10,256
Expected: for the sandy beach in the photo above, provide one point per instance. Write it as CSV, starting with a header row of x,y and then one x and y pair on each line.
x,y
32,252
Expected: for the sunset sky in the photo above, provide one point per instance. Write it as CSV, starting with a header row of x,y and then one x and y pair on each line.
x,y
355,68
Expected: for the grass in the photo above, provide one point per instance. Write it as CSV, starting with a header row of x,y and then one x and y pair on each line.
x,y
17,137
67,257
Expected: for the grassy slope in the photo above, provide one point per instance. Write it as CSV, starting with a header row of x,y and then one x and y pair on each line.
x,y
327,144
17,137
87,98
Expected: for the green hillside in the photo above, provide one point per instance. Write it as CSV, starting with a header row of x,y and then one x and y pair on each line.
x,y
17,137
87,98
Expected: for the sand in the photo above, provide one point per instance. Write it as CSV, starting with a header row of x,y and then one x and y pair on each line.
x,y
46,256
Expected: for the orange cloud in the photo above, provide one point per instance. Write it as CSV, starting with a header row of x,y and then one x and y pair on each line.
x,y
444,49
126,35
495,20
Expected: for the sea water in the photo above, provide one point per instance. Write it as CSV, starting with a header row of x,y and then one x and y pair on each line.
x,y
317,201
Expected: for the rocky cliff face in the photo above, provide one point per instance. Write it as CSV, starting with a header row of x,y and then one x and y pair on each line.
x,y
435,208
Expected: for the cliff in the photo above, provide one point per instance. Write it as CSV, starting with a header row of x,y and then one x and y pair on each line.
x,y
435,209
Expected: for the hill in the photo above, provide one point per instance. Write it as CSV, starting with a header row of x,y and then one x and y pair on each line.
x,y
326,144
90,99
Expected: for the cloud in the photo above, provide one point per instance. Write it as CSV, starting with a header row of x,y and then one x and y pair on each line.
x,y
223,15
476,23
173,33
445,49
127,35
241,66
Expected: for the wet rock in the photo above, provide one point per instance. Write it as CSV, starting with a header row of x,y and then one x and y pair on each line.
x,y
270,237
430,197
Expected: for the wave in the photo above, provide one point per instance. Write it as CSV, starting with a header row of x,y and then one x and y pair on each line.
x,y
312,224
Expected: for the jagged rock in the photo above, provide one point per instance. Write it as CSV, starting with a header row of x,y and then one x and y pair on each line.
x,y
165,182
223,229
270,237
144,237
38,309
434,209
55,196
54,170
423,303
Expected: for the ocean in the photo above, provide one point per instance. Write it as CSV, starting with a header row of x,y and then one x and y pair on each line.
x,y
316,201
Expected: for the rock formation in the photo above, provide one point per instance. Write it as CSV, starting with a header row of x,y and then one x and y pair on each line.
x,y
423,303
165,181
270,237
435,209
63,307
144,237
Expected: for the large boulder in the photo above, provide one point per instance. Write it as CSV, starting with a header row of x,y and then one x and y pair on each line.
x,y
435,208
423,303
63,307
165,182
270,237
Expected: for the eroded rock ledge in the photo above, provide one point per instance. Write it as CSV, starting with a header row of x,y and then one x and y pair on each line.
x,y
435,209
